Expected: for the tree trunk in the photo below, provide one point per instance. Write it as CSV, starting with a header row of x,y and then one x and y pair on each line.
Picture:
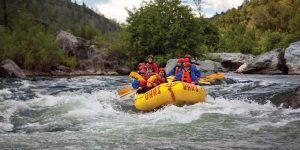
x,y
5,13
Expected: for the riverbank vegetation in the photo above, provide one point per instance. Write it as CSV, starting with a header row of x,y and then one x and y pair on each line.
x,y
167,29
258,26
28,32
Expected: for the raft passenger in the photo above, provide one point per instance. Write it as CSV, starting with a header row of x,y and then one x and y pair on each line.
x,y
175,70
141,85
193,67
142,71
151,65
186,74
157,79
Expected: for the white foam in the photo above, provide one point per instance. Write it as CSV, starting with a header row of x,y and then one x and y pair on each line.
x,y
4,92
187,114
261,124
97,111
78,104
26,84
8,108
6,127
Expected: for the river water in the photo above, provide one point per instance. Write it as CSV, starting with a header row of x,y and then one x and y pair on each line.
x,y
86,113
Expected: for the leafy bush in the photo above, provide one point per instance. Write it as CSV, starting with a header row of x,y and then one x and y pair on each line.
x,y
31,46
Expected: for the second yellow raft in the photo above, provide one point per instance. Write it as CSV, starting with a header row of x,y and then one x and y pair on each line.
x,y
177,93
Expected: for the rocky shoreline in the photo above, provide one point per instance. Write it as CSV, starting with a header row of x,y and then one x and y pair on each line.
x,y
91,61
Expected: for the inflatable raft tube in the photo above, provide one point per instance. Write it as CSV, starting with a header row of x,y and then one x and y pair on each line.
x,y
176,93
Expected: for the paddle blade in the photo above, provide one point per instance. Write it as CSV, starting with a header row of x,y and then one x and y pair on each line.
x,y
206,80
129,92
216,76
136,76
203,82
124,90
124,84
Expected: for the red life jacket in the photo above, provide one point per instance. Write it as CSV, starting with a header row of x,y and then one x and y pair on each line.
x,y
186,76
142,83
159,80
152,67
176,70
145,76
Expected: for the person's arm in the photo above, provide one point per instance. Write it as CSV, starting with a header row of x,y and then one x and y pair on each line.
x,y
194,77
179,75
196,71
135,84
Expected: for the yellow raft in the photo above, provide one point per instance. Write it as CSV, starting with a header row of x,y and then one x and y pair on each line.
x,y
177,93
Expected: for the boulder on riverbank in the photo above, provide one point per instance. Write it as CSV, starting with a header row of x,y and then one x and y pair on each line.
x,y
110,62
233,61
293,99
9,68
292,58
75,46
171,63
208,67
264,64
89,60
123,69
277,61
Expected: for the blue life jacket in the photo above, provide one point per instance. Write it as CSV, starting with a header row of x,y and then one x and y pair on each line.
x,y
192,73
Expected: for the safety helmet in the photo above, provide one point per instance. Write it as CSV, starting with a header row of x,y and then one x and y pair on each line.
x,y
162,69
187,64
186,60
188,56
180,60
141,64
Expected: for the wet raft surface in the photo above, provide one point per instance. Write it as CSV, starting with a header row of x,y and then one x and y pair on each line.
x,y
86,112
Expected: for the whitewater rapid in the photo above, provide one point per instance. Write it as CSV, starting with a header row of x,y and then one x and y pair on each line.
x,y
87,113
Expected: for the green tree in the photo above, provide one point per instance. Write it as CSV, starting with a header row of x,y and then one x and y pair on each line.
x,y
164,27
258,26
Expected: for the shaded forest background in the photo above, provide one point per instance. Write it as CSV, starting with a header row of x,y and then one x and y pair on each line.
x,y
257,26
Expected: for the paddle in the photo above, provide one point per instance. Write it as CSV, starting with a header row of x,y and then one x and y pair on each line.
x,y
124,84
124,90
211,78
203,82
128,92
215,76
136,76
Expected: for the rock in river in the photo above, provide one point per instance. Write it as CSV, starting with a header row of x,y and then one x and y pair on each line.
x,y
293,100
